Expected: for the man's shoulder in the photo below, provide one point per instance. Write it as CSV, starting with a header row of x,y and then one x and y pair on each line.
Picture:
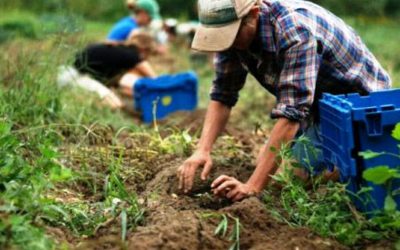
x,y
294,16
285,7
295,10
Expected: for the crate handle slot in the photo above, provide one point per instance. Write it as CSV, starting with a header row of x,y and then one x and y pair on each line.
x,y
374,124
370,110
388,107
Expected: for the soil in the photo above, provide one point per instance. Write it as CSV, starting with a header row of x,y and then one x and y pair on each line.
x,y
178,221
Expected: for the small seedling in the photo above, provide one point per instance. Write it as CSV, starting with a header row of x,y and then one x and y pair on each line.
x,y
235,236
222,228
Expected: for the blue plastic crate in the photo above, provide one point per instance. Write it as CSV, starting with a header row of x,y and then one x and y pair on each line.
x,y
351,124
165,94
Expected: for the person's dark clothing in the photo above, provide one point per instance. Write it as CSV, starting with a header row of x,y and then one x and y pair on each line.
x,y
104,62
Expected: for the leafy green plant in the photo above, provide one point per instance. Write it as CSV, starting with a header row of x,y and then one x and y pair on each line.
x,y
24,184
384,176
178,142
17,230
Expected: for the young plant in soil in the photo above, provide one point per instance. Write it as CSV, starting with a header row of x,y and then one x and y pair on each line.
x,y
223,227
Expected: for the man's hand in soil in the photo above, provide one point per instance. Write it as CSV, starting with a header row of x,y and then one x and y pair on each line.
x,y
216,118
187,170
229,187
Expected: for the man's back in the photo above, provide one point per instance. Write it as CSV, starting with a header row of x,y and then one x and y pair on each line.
x,y
344,57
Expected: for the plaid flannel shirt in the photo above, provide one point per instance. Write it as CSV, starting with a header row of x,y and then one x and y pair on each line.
x,y
301,50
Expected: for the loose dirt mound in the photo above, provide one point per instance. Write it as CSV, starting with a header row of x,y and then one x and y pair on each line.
x,y
177,221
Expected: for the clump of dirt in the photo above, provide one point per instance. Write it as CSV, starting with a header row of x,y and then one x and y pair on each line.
x,y
172,227
261,231
179,221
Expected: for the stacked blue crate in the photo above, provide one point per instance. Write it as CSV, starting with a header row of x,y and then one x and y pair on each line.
x,y
157,97
351,124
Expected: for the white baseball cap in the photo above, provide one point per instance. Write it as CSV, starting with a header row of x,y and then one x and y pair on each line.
x,y
220,22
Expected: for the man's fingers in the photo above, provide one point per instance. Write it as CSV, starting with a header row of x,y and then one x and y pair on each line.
x,y
188,178
219,180
206,170
187,171
189,183
180,176
239,196
185,178
232,193
231,184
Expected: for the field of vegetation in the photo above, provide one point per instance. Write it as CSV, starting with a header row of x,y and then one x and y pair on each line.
x,y
77,175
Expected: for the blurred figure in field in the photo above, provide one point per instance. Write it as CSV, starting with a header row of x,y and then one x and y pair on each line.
x,y
145,17
143,13
103,65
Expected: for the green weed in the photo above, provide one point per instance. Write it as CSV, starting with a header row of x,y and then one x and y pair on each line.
x,y
223,227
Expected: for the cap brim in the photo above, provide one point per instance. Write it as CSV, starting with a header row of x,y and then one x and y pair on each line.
x,y
215,39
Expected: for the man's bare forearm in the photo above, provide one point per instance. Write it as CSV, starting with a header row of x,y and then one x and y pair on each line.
x,y
267,164
216,118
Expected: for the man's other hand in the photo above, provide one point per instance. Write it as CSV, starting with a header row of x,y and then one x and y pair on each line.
x,y
187,170
230,188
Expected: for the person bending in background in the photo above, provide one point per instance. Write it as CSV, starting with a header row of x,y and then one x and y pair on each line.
x,y
143,12
103,65
296,50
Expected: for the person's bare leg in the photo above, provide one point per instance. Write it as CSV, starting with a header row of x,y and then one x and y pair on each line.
x,y
92,85
127,82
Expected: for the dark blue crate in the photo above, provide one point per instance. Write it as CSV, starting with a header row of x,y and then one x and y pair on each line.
x,y
165,94
351,124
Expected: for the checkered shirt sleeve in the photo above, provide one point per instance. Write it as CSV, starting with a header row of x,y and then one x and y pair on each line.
x,y
230,77
297,80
